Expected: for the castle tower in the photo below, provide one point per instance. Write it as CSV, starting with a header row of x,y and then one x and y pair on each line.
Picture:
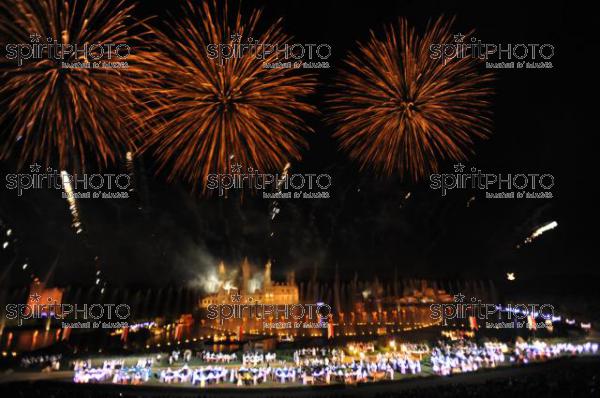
x,y
267,282
245,276
291,278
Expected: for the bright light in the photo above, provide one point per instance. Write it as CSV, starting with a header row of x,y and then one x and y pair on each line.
x,y
551,225
544,228
70,196
510,276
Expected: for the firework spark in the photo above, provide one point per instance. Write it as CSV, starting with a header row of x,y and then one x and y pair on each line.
x,y
207,110
56,111
397,109
72,201
539,231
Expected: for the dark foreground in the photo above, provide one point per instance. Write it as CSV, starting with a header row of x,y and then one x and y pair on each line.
x,y
561,378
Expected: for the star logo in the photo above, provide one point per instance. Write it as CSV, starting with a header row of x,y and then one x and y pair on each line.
x,y
35,37
35,297
236,167
236,37
458,168
459,298
459,38
235,298
34,168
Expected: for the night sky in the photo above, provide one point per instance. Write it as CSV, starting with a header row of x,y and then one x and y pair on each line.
x,y
367,226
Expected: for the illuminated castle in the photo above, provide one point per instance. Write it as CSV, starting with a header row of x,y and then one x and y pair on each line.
x,y
359,308
252,289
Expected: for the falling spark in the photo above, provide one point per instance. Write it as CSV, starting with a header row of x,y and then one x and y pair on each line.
x,y
278,188
130,165
539,231
510,276
70,196
544,228
5,245
398,110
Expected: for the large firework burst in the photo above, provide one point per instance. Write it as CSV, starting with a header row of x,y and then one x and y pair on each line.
x,y
399,110
209,110
59,113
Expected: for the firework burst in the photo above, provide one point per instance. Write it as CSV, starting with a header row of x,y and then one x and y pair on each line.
x,y
399,110
60,113
207,111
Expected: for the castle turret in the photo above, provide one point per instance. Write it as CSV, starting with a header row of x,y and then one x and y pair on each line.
x,y
291,278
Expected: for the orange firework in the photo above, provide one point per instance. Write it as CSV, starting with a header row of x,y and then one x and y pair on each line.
x,y
212,108
399,110
66,83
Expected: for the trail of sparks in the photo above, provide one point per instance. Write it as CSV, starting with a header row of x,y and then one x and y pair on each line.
x,y
539,231
72,201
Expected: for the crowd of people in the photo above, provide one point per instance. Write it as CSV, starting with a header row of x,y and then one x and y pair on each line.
x,y
318,356
45,362
216,357
326,365
310,367
460,357
564,378
257,358
113,370
539,350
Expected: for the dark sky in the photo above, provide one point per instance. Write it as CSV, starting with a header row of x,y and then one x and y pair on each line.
x,y
366,226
